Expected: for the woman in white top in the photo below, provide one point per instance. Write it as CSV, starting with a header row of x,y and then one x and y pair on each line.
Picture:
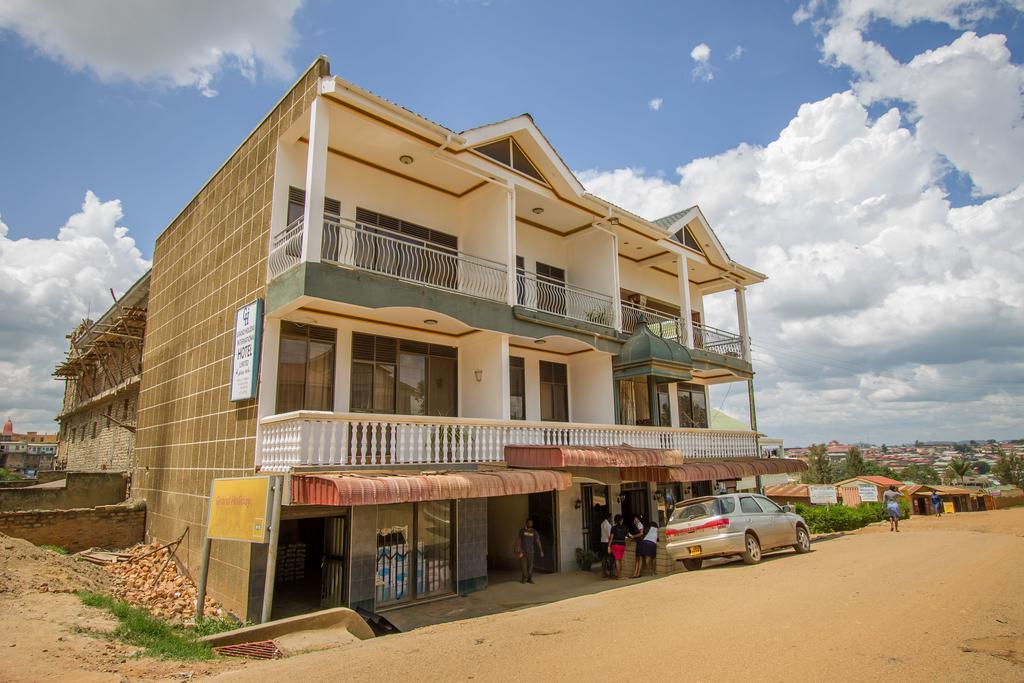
x,y
646,551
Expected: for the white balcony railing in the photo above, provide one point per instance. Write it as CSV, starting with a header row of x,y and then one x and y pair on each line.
x,y
286,248
355,245
552,296
661,324
311,438
717,341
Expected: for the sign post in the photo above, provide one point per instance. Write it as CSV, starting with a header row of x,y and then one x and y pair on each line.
x,y
245,361
868,493
822,494
240,509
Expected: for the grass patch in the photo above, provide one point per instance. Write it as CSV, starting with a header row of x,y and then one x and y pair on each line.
x,y
210,626
55,549
157,638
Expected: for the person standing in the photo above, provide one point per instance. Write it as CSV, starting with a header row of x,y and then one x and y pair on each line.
x,y
647,551
891,500
606,535
937,503
527,542
636,534
617,544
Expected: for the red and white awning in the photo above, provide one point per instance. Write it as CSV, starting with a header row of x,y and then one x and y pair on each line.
x,y
382,489
592,456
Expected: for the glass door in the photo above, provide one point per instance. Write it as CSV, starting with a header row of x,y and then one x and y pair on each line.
x,y
594,498
541,508
394,560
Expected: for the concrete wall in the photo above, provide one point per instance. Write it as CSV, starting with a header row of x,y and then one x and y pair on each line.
x,y
91,442
471,564
81,490
208,262
488,398
590,388
107,526
570,527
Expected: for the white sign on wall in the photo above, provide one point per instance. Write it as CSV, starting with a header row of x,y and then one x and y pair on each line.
x,y
822,495
868,493
245,363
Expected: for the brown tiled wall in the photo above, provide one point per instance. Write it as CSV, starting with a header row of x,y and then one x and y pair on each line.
x,y
207,263
107,526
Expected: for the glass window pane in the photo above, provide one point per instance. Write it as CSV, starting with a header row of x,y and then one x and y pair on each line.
x,y
560,402
499,151
685,408
442,399
517,388
291,374
643,400
747,504
394,547
361,399
412,376
664,407
384,389
700,409
320,376
433,548
546,410
767,505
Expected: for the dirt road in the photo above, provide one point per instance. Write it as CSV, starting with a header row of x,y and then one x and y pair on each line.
x,y
942,600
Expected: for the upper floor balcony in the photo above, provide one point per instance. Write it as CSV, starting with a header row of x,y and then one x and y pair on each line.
x,y
704,337
360,440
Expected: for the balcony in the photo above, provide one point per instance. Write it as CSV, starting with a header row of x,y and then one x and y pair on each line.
x,y
548,295
358,440
705,337
373,249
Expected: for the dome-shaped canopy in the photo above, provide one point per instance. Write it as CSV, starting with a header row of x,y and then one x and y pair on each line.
x,y
645,353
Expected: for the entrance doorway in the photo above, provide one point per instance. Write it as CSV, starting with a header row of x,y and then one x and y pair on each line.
x,y
311,571
635,501
541,508
595,508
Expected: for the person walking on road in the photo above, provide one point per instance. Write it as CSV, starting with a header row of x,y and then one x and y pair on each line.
x,y
617,544
937,503
606,535
527,541
891,500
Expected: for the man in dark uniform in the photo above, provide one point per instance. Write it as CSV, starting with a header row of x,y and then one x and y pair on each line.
x,y
527,541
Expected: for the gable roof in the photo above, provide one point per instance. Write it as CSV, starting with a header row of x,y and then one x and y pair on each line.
x,y
872,479
670,220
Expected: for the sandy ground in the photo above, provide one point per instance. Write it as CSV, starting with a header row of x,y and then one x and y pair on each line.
x,y
942,600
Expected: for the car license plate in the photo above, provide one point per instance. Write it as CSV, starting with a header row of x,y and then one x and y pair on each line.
x,y
695,550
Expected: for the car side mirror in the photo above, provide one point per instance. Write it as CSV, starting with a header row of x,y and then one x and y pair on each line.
x,y
788,508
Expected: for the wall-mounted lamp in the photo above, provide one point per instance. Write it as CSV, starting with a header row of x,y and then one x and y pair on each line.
x,y
619,498
578,504
479,375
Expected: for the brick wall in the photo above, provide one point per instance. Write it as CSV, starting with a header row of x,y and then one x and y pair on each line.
x,y
210,260
107,526
80,490
91,442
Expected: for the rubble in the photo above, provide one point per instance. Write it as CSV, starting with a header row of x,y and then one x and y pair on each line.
x,y
148,577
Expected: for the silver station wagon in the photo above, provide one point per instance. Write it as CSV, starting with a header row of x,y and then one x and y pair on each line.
x,y
737,524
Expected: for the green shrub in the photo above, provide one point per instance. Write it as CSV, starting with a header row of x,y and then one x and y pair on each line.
x,y
822,519
54,548
585,559
140,628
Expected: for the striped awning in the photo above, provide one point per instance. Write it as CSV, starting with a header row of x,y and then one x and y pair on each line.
x,y
590,456
382,489
723,469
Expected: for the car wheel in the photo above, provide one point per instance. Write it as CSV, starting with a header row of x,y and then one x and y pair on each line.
x,y
752,554
693,565
803,540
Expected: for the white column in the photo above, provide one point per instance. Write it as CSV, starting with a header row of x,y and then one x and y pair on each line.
x,y
510,195
616,287
506,398
741,314
316,177
684,299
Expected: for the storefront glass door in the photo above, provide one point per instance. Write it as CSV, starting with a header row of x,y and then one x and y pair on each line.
x,y
414,551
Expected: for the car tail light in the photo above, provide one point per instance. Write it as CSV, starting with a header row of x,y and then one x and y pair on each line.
x,y
713,524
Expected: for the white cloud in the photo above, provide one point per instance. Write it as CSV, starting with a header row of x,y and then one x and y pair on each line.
x,y
736,53
887,315
48,286
655,104
186,43
702,69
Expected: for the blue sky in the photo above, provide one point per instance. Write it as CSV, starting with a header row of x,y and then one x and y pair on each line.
x,y
786,143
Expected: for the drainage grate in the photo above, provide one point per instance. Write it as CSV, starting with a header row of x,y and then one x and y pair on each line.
x,y
264,649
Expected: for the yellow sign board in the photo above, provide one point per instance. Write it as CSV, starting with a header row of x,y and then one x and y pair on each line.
x,y
948,507
240,509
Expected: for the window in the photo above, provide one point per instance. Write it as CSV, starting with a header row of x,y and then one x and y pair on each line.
x,y
634,401
110,409
517,387
297,205
693,407
685,237
748,504
767,505
554,392
414,551
664,407
550,288
305,370
406,250
93,431
124,413
508,152
397,376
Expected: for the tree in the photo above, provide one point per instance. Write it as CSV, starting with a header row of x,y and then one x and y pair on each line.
x,y
1009,468
982,467
855,465
885,449
959,468
919,474
819,467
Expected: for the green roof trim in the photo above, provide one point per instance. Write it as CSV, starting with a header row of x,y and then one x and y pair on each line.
x,y
645,353
668,221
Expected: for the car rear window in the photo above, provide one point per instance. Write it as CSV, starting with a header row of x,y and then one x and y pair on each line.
x,y
690,510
